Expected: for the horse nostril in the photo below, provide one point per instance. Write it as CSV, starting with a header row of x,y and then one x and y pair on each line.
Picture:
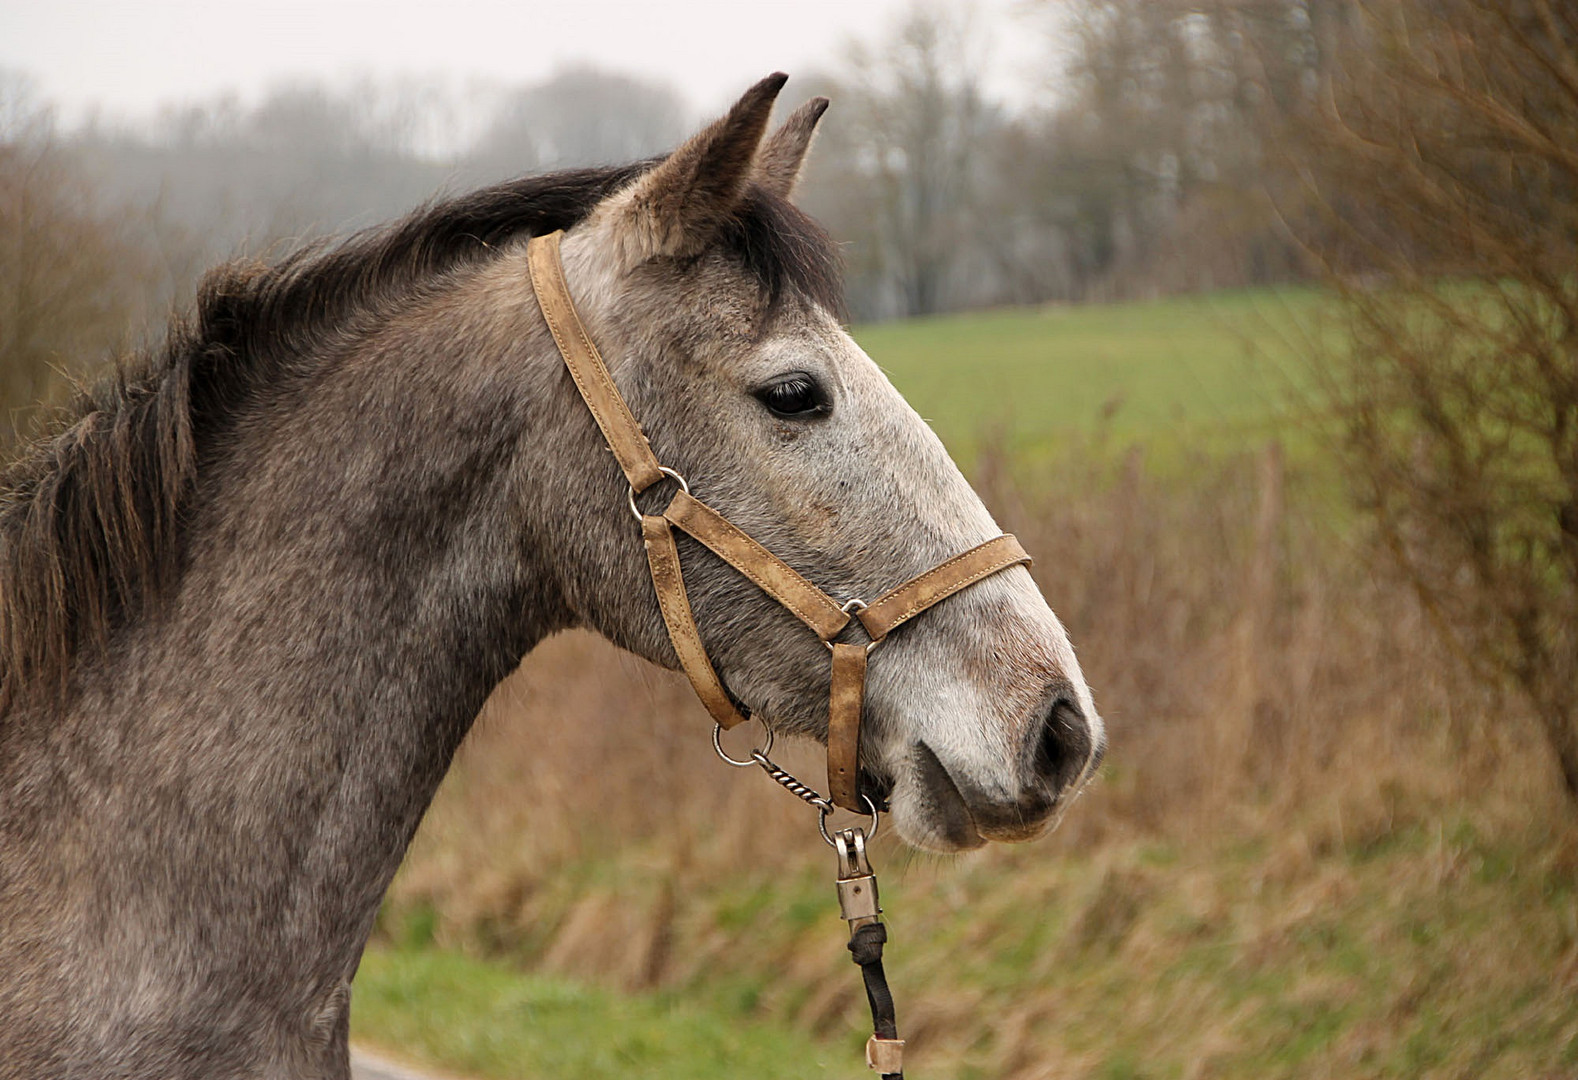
x,y
1064,748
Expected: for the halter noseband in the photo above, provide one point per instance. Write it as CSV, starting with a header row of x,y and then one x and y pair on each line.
x,y
824,615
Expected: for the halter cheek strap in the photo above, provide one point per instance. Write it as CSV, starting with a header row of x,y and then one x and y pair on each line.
x,y
821,613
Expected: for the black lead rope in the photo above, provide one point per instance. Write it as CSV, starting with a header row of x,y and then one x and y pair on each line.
x,y
857,901
865,945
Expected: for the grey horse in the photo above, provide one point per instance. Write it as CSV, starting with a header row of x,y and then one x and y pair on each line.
x,y
256,587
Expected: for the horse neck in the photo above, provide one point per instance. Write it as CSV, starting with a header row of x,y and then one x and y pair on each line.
x,y
363,563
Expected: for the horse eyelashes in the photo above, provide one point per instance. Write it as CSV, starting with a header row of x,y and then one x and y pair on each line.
x,y
793,396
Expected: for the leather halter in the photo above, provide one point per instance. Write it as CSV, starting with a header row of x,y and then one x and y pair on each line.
x,y
825,616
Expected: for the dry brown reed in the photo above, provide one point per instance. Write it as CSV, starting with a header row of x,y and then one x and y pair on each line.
x,y
1253,667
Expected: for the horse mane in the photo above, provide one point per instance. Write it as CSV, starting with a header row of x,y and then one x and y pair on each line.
x,y
91,513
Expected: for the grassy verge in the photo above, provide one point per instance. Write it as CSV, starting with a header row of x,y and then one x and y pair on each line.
x,y
480,1019
1402,953
1379,948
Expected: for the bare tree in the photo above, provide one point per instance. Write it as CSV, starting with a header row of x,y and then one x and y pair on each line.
x,y
1153,162
1446,161
584,117
899,176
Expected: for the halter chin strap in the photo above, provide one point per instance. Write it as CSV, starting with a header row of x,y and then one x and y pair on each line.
x,y
824,615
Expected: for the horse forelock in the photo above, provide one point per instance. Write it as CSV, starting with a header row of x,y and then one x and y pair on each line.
x,y
91,512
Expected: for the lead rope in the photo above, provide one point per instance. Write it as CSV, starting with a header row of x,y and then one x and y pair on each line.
x,y
857,904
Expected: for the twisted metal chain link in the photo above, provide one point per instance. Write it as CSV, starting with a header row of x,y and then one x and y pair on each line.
x,y
790,783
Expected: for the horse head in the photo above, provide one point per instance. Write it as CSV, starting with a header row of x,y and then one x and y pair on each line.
x,y
715,303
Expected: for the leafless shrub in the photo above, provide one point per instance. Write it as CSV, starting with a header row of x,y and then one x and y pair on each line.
x,y
69,275
1446,161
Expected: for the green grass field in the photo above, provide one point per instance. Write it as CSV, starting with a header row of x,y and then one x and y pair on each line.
x,y
1212,369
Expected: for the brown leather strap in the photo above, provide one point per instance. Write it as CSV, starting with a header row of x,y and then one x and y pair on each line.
x,y
771,574
778,579
845,701
669,582
940,582
591,376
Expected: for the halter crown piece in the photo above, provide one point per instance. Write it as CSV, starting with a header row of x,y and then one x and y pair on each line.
x,y
825,616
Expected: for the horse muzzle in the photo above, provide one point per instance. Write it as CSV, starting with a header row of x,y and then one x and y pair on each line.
x,y
942,808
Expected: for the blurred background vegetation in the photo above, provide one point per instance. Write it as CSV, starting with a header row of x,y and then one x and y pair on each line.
x,y
1258,322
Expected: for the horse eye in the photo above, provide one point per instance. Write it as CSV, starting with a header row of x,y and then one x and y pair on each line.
x,y
795,396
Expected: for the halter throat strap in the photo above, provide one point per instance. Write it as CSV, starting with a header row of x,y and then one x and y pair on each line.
x,y
822,614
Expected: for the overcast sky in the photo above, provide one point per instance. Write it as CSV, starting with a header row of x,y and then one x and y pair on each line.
x,y
127,57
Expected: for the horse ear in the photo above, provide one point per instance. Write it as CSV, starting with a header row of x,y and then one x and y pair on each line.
x,y
783,155
676,208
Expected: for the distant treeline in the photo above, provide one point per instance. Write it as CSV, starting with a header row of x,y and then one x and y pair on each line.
x,y
1146,171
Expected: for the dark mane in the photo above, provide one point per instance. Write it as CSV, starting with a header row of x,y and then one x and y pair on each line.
x,y
90,515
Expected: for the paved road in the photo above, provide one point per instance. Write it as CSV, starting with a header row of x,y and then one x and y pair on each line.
x,y
365,1066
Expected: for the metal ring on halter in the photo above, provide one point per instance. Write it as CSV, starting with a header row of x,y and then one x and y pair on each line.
x,y
854,607
870,645
871,811
717,744
666,471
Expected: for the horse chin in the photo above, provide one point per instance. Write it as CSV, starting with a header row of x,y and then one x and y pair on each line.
x,y
928,809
